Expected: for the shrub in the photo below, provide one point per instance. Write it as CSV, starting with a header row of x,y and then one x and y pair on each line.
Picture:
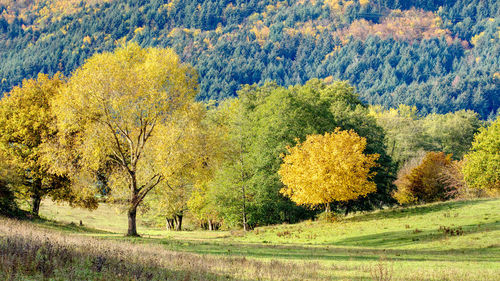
x,y
7,203
423,182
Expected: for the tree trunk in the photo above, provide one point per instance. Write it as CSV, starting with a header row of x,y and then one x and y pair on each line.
x,y
132,211
170,224
210,225
347,208
327,208
36,199
245,226
178,225
132,227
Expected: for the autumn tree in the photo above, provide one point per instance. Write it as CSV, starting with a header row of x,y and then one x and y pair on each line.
x,y
26,125
482,163
193,153
424,181
114,110
327,168
217,146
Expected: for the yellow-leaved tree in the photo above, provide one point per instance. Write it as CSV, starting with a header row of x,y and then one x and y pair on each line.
x,y
194,144
26,125
113,113
328,168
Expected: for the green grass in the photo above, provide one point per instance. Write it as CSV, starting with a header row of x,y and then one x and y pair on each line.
x,y
405,241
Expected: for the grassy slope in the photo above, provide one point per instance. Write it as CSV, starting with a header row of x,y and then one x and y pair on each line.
x,y
408,242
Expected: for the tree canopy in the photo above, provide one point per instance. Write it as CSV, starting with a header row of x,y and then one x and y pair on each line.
x,y
27,124
482,163
327,168
113,111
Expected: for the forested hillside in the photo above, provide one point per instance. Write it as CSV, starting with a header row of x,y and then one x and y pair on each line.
x,y
438,55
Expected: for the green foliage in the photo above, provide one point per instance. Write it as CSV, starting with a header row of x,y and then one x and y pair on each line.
x,y
482,163
407,133
269,118
451,133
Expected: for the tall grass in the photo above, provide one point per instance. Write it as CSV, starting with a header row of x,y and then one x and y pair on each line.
x,y
29,252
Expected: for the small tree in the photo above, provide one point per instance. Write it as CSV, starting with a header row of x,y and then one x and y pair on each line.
x,y
482,163
327,168
424,181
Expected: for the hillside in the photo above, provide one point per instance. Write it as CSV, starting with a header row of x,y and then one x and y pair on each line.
x,y
442,241
441,56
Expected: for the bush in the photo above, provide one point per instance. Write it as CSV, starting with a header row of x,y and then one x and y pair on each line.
x,y
8,206
423,182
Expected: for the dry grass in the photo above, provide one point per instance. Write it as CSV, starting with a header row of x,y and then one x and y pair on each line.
x,y
28,251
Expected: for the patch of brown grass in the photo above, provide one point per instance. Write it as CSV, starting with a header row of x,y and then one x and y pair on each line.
x,y
28,251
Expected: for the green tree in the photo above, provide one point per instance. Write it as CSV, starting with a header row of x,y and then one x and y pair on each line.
x,y
482,163
115,108
405,135
451,133
229,188
272,117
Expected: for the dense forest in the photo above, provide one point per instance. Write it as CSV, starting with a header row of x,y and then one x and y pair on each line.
x,y
440,56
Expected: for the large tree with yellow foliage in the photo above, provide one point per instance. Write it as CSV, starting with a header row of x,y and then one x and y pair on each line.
x,y
114,111
328,168
26,125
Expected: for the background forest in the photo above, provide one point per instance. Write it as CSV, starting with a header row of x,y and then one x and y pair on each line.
x,y
440,56
322,139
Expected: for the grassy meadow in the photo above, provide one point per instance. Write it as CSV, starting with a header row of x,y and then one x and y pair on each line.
x,y
456,240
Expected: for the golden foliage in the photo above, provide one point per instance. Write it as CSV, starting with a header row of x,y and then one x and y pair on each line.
x,y
44,11
476,38
327,168
114,111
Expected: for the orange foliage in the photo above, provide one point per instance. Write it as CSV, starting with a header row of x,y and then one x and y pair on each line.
x,y
400,25
423,182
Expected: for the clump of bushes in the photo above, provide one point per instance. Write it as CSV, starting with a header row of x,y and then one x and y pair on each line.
x,y
451,231
7,204
421,180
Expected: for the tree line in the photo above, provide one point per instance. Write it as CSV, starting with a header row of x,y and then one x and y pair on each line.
x,y
125,128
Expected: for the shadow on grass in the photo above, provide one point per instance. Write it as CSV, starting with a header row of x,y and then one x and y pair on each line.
x,y
68,227
324,253
410,236
415,211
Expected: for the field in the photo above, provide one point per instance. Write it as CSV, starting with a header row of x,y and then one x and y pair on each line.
x,y
458,240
